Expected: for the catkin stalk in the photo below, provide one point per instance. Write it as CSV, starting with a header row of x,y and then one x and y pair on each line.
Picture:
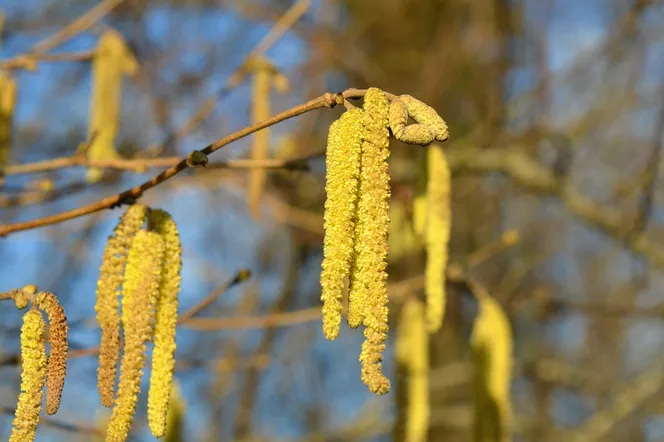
x,y
106,306
437,234
341,186
140,290
166,316
33,372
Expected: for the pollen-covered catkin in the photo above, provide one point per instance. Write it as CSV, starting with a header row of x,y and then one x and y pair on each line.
x,y
437,234
341,187
426,115
166,316
106,307
59,347
140,289
33,372
369,276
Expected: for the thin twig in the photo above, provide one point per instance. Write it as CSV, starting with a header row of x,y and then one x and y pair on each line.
x,y
239,277
281,319
327,100
139,165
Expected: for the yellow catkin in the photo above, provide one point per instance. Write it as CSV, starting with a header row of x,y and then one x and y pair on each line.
x,y
166,316
369,276
343,169
59,346
112,59
106,306
413,354
437,234
491,342
176,411
7,104
140,289
33,372
263,71
425,115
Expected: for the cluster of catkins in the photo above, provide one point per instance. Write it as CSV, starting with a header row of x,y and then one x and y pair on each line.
x,y
37,368
143,265
357,220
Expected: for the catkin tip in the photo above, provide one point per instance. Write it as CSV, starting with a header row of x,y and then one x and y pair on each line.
x,y
57,338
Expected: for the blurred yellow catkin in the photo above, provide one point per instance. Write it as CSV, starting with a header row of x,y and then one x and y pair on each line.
x,y
341,186
33,372
112,60
491,343
175,419
412,349
166,316
437,228
7,104
58,331
265,77
106,306
140,290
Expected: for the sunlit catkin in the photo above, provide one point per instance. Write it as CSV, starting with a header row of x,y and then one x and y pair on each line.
x,y
57,358
33,372
110,278
140,289
112,60
341,187
369,276
437,234
491,342
7,104
413,355
166,315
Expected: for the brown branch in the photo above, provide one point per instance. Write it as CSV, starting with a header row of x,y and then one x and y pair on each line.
x,y
79,25
239,277
138,165
327,100
281,319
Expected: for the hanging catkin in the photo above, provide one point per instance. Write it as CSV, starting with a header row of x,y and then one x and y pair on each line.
x,y
7,104
59,347
369,276
341,187
437,228
33,372
166,316
112,60
140,289
413,355
265,77
491,342
106,306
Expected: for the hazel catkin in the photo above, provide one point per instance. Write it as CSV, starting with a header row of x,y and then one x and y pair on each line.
x,y
33,372
369,279
341,187
140,289
59,347
106,306
166,316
